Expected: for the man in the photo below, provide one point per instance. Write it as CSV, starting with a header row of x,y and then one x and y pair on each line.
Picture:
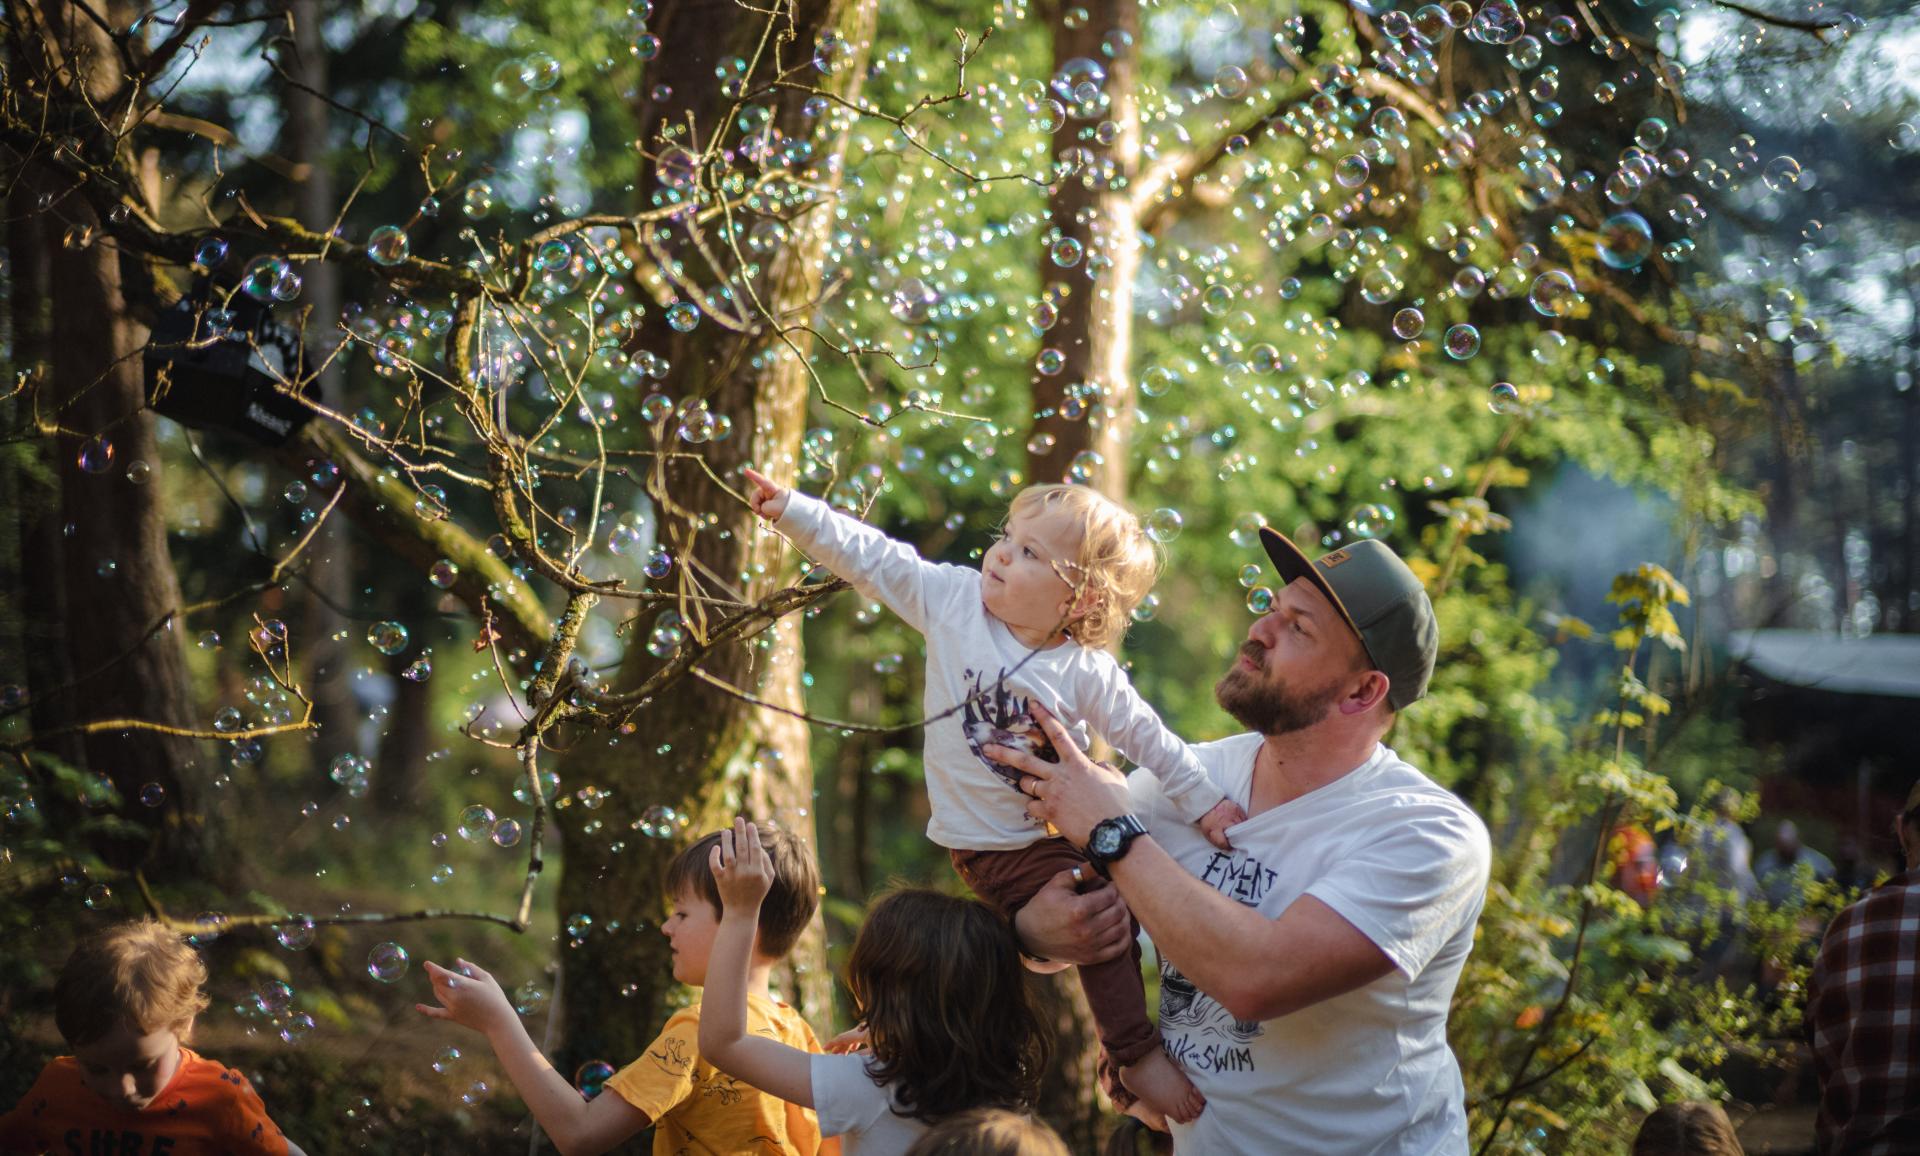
x,y
1306,974
1863,1013
1789,865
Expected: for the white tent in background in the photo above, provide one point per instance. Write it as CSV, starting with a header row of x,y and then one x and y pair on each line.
x,y
1882,664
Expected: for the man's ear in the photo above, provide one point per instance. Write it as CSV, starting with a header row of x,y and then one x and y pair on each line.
x,y
1370,691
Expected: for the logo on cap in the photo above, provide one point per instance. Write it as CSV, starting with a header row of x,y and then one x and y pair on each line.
x,y
1329,561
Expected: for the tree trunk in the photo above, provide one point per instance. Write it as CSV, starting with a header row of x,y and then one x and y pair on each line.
x,y
1088,406
694,749
112,555
329,579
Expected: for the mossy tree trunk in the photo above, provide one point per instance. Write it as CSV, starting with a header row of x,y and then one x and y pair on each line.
x,y
703,753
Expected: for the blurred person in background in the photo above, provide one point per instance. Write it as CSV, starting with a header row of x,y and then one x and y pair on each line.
x,y
1785,869
1863,1013
1687,1128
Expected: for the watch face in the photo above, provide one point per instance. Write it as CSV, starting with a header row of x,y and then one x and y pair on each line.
x,y
1105,840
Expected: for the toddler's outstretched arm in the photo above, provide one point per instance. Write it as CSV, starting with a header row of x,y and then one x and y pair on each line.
x,y
743,871
473,999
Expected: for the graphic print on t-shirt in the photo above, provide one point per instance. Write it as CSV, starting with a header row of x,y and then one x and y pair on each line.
x,y
995,716
1195,1029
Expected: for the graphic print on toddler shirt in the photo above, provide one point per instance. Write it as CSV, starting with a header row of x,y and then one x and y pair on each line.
x,y
995,716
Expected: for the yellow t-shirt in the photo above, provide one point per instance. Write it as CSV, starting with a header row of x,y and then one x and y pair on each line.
x,y
698,1110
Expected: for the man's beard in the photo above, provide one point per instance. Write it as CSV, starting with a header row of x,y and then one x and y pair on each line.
x,y
1269,709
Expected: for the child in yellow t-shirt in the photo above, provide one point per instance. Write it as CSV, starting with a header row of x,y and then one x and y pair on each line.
x,y
692,1107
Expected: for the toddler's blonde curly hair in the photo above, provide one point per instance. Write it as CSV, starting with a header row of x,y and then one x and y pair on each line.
x,y
1116,563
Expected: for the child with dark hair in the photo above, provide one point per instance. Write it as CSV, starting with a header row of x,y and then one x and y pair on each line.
x,y
125,1002
691,1104
938,982
989,1132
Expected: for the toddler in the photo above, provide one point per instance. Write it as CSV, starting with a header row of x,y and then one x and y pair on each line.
x,y
1029,626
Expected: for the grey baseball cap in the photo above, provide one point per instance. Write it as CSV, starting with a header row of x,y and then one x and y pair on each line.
x,y
1380,599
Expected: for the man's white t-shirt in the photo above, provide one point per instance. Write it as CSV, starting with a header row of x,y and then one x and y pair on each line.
x,y
1368,1072
851,1106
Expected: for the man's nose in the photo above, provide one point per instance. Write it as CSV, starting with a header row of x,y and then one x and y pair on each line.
x,y
1264,628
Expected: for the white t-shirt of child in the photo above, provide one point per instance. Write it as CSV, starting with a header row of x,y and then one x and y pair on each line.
x,y
972,658
1368,1072
850,1105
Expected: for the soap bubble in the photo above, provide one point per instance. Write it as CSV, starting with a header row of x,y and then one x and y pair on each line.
x,y
1462,341
295,934
1351,171
528,998
476,822
1782,174
1164,525
506,832
913,301
1503,398
445,1060
476,200
99,897
1246,529
1066,252
475,1093
388,245
1370,520
1230,82
387,962
1553,293
210,253
1250,575
540,71
660,822
1625,240
592,1077
1157,380
677,168
1147,608
96,455
441,873
273,997
296,1027
387,637
1260,599
1409,323
152,795
443,574
831,53
683,316
262,276
553,255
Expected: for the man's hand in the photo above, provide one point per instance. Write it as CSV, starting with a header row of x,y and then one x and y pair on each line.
x,y
1072,794
742,869
1225,813
768,500
468,996
1066,926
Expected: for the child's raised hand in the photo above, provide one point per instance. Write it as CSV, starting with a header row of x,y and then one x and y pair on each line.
x,y
468,996
767,499
742,869
1214,823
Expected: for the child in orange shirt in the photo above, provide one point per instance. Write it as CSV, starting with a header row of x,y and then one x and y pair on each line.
x,y
125,1002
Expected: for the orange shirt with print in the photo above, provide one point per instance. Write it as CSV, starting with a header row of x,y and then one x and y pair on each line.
x,y
207,1109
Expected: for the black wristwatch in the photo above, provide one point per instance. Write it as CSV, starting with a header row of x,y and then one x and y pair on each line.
x,y
1110,840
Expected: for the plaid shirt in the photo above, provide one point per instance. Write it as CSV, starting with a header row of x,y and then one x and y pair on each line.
x,y
1863,1016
